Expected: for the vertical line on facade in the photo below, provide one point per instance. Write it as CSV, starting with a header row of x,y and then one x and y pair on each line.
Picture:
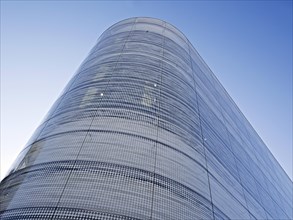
x,y
94,116
255,181
158,120
225,121
235,160
202,138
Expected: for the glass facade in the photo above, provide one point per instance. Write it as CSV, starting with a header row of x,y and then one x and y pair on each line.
x,y
144,130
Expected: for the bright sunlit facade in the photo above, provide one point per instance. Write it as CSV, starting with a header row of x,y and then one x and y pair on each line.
x,y
144,130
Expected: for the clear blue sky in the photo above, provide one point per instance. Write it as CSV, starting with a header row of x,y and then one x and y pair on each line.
x,y
247,44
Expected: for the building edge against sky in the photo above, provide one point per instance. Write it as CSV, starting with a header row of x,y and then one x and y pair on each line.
x,y
145,127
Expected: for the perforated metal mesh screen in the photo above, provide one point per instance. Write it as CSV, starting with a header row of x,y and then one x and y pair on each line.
x,y
144,130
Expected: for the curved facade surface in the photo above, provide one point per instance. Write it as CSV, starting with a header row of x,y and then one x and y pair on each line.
x,y
144,130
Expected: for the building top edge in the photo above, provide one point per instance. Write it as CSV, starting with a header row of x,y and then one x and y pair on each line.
x,y
160,21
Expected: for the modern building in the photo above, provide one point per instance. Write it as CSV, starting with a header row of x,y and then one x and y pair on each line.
x,y
144,130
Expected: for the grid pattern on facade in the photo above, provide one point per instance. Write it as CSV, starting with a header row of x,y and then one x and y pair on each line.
x,y
144,130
